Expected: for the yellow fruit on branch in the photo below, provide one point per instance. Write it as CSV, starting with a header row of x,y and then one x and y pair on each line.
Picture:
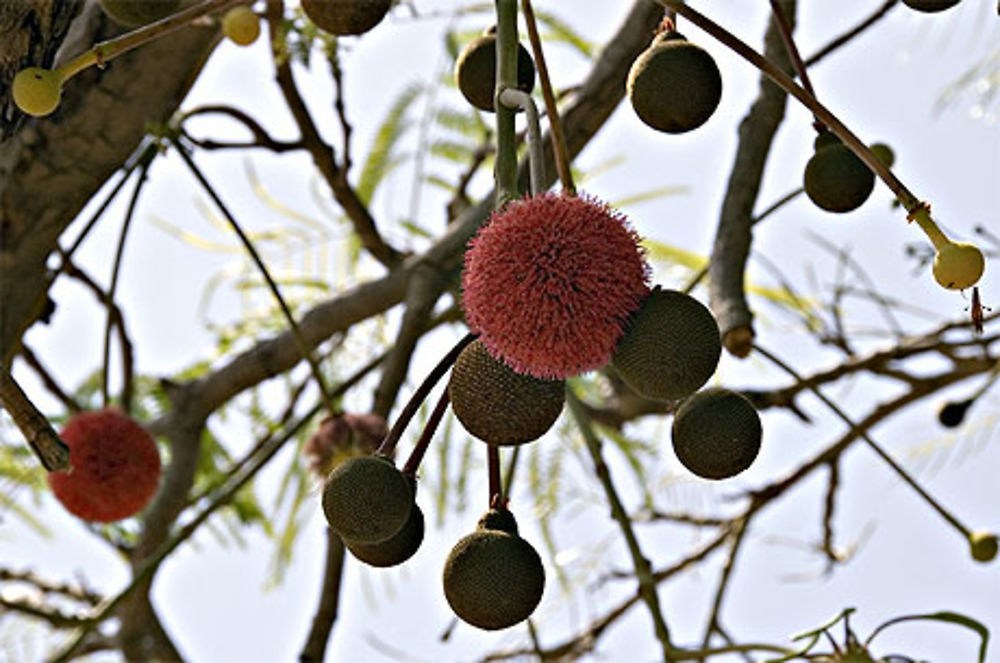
x,y
958,265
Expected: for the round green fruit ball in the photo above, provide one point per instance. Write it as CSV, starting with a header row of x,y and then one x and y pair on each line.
x,y
241,25
367,500
883,153
835,178
670,348
958,265
716,433
133,13
983,546
476,71
674,85
396,549
499,405
930,6
36,91
346,17
493,579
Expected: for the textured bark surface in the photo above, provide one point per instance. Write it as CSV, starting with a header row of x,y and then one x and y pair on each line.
x,y
50,167
732,241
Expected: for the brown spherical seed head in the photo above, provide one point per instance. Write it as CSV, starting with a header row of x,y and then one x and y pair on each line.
x,y
930,6
671,347
346,17
132,13
493,579
499,405
674,85
476,71
836,179
716,433
367,500
395,550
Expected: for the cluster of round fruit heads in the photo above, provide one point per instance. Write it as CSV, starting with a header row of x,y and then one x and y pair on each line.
x,y
554,285
115,467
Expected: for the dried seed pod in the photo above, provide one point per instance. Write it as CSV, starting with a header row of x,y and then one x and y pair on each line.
x,y
716,433
346,17
396,549
499,405
674,85
367,500
835,178
671,347
493,578
476,70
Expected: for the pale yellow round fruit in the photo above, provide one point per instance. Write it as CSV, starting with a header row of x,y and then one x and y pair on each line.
x,y
241,25
36,91
958,265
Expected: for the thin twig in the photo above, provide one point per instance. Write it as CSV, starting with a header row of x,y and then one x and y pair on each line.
x,y
248,245
863,434
110,295
321,152
424,441
32,360
643,571
261,138
551,107
389,443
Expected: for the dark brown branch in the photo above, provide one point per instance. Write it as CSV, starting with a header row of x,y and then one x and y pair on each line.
x,y
75,592
53,616
261,138
852,33
321,152
314,650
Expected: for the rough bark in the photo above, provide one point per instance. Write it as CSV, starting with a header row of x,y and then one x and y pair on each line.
x,y
733,237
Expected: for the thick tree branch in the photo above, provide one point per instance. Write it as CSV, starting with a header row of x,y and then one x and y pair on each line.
x,y
732,240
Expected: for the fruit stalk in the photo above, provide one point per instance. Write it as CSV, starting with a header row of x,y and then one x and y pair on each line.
x,y
506,159
411,407
512,97
551,108
417,455
101,53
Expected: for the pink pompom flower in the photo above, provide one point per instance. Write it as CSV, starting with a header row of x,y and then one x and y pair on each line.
x,y
550,281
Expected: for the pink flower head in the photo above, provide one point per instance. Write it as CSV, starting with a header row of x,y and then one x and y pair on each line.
x,y
342,436
116,467
550,281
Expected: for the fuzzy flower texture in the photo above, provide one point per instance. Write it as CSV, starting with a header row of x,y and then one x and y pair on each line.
x,y
550,281
116,467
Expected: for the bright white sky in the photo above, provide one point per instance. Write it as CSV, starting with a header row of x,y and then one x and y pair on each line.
x,y
885,86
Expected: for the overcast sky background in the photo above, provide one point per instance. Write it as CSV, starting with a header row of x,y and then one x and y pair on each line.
x,y
885,85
